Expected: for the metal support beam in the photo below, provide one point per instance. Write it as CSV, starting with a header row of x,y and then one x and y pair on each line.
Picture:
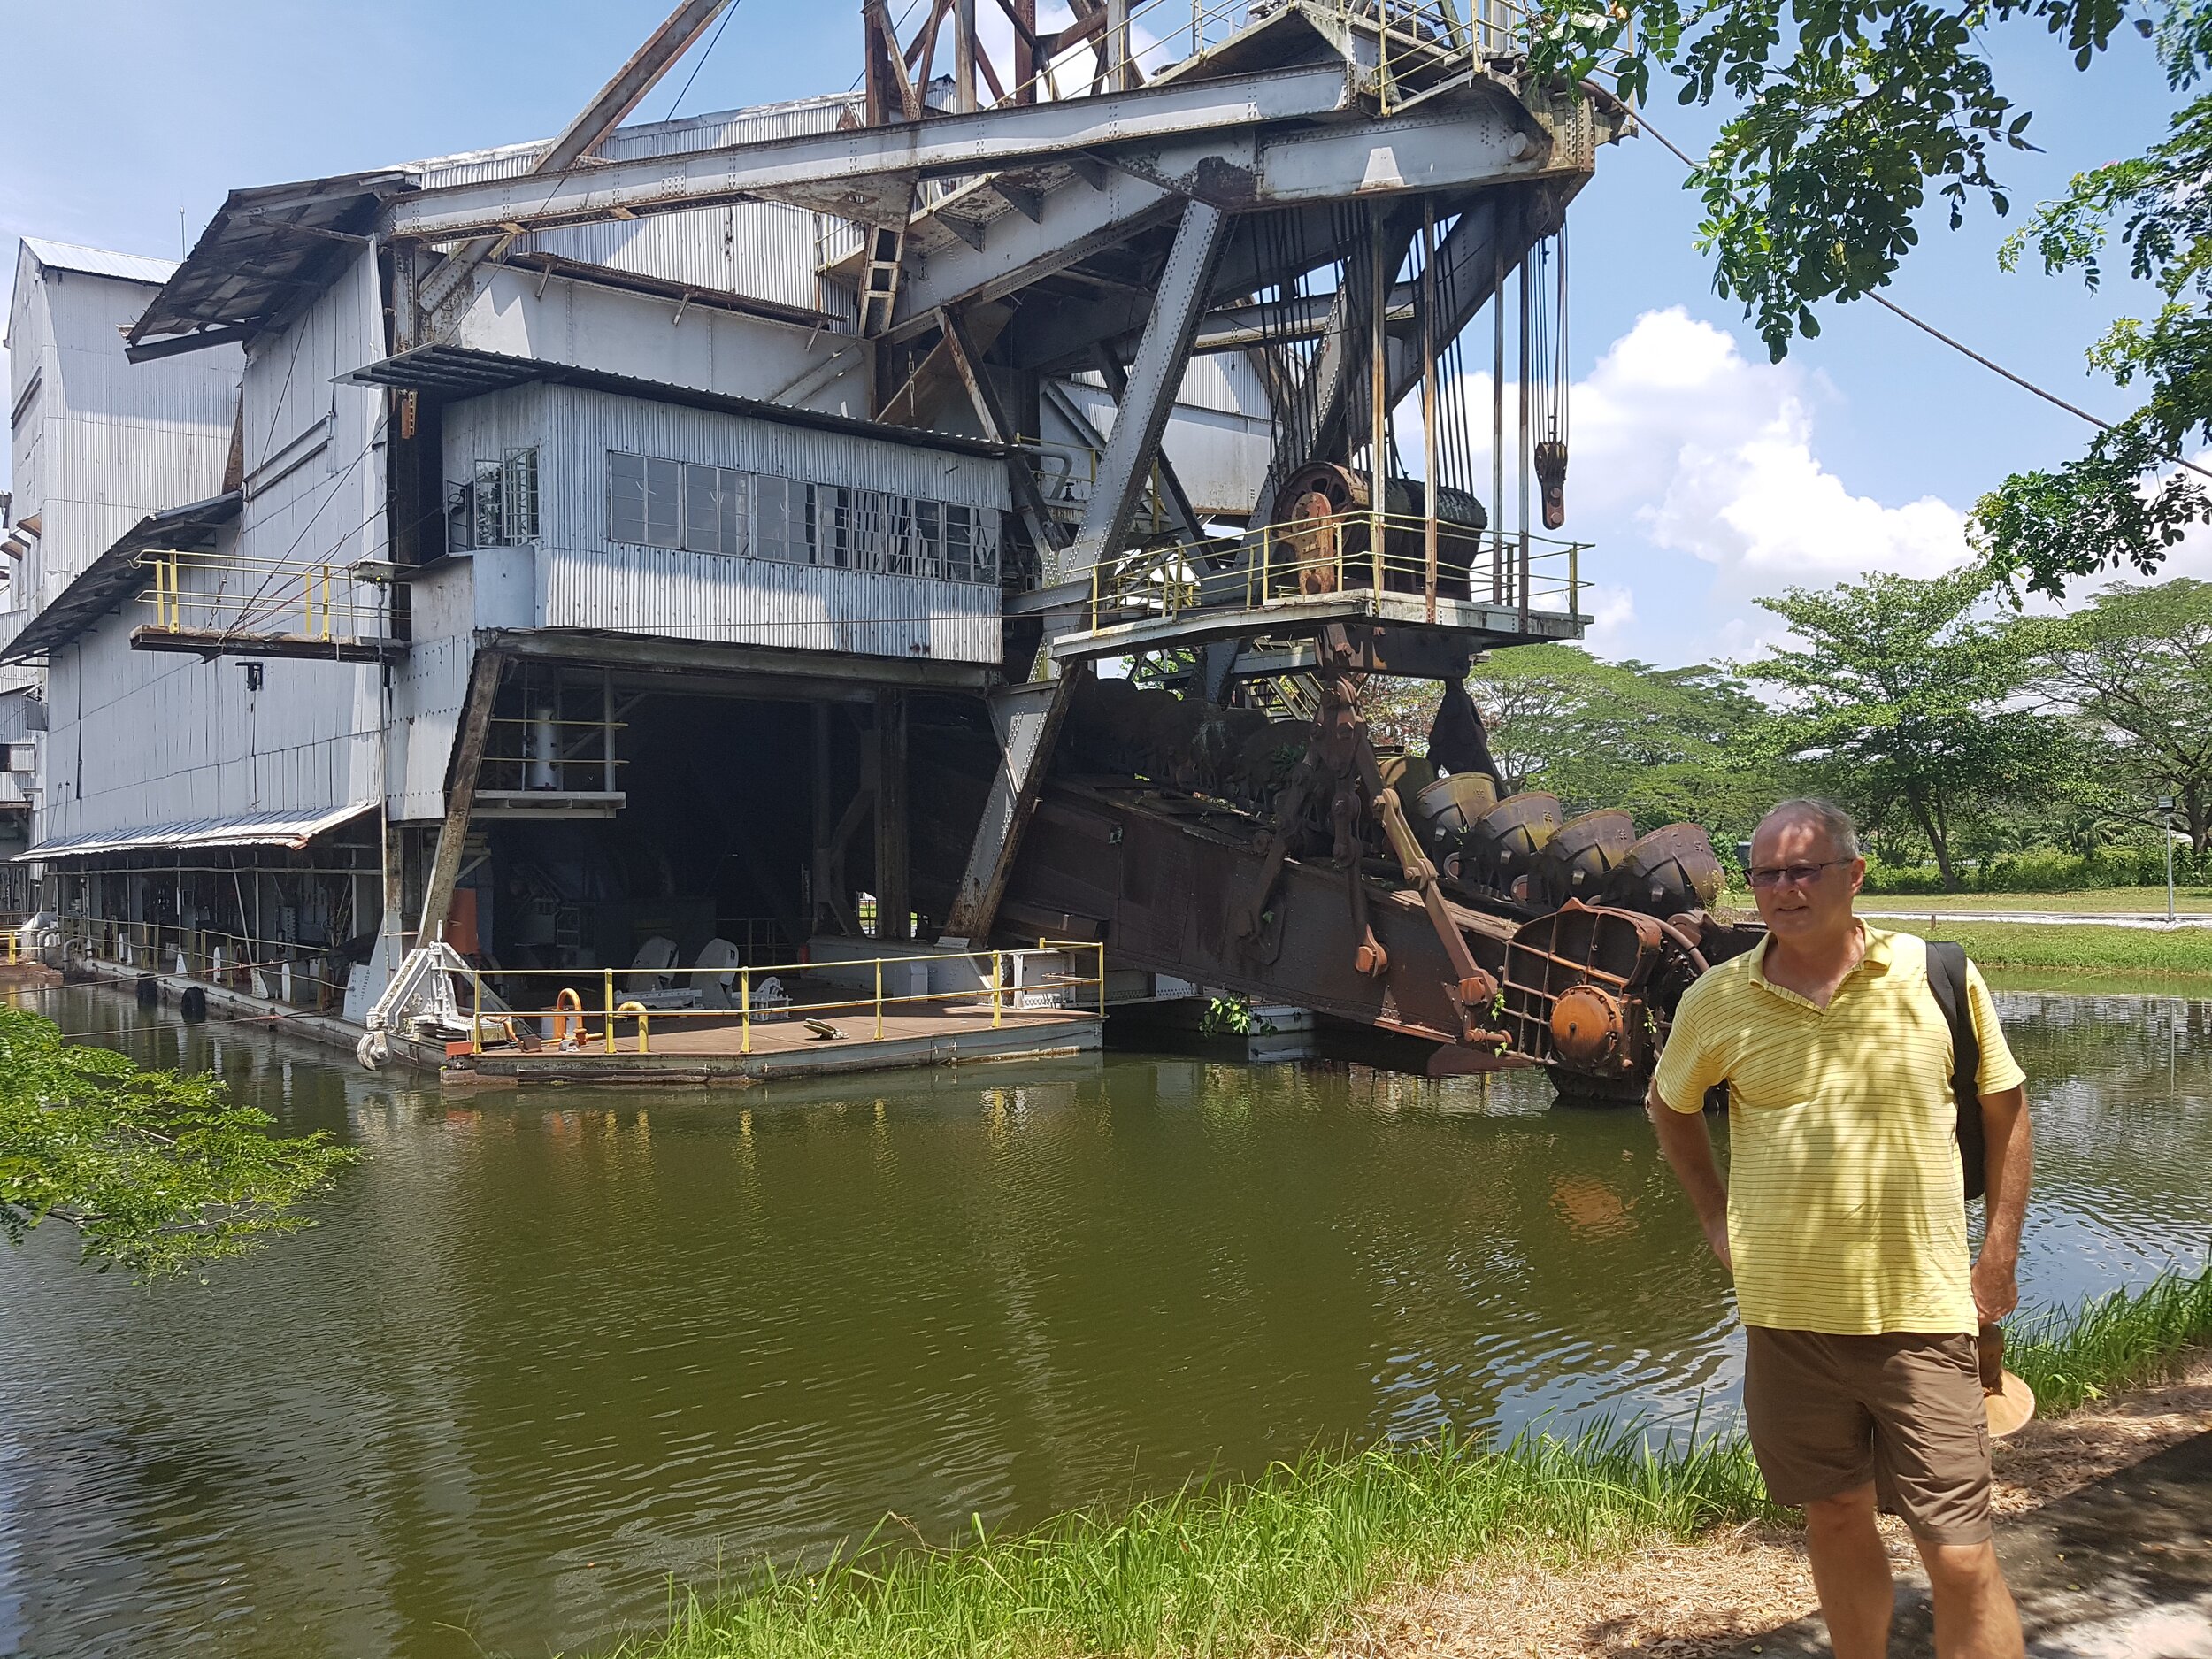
x,y
1045,533
1026,720
894,902
833,166
468,761
1173,496
675,37
1150,394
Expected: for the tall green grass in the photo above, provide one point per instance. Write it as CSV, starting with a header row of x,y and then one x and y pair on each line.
x,y
1279,1562
2117,1341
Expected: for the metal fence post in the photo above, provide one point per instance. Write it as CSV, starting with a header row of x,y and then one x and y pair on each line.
x,y
609,982
744,1010
998,969
879,999
476,1013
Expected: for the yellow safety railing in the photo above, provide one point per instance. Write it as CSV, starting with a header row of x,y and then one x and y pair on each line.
x,y
223,590
1025,981
1344,552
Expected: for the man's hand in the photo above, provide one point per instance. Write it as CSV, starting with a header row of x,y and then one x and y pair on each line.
x,y
1717,1236
1687,1145
1996,1287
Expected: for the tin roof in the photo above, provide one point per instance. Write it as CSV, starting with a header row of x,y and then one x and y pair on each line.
x,y
116,574
130,267
291,830
263,251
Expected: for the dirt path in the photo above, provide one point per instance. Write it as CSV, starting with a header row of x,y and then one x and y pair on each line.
x,y
1712,1596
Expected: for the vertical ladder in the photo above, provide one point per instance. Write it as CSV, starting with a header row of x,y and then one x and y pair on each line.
x,y
880,281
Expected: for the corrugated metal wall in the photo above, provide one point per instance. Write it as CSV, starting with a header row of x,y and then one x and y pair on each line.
x,y
584,581
645,336
764,251
427,692
138,738
314,462
103,441
764,601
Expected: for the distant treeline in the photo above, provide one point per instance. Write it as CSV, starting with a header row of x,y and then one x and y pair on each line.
x,y
1979,747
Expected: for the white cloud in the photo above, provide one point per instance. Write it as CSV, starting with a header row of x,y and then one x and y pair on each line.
x,y
1682,445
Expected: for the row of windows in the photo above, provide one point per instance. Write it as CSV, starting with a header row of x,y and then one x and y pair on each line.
x,y
702,509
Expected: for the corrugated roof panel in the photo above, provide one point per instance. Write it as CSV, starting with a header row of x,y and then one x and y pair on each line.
x,y
756,125
292,830
130,267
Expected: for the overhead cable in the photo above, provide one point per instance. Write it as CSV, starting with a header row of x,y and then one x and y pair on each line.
x,y
1933,331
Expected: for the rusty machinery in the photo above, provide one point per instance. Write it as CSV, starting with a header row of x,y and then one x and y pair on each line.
x,y
1288,860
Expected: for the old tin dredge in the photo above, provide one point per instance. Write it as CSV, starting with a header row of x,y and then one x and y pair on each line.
x,y
876,580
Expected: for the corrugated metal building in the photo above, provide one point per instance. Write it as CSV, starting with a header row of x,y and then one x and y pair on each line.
x,y
601,544
95,441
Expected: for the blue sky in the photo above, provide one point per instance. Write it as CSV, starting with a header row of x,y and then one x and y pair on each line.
x,y
1704,476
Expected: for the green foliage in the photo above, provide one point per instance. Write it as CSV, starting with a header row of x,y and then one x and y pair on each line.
x,y
2096,512
2118,1341
1231,1016
156,1172
1284,1562
1244,1569
1900,704
2137,663
1848,118
2050,869
1662,742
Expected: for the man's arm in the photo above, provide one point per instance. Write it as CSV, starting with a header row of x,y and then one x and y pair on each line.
x,y
2009,1162
1687,1145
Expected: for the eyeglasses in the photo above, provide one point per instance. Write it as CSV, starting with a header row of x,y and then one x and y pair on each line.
x,y
1793,875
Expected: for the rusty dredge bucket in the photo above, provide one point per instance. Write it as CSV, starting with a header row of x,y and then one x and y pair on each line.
x,y
1575,862
1446,810
1503,845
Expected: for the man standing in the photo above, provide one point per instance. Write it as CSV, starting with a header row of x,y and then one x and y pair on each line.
x,y
1843,1219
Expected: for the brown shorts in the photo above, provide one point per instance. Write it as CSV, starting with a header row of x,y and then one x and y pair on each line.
x,y
1829,1413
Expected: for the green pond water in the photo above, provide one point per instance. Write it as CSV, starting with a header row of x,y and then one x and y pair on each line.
x,y
549,1350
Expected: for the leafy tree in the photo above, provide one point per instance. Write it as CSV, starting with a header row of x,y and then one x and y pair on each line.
x,y
157,1173
2136,663
1901,702
1845,116
1660,742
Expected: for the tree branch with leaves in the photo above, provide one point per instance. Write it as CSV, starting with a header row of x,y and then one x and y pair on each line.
x,y
1847,119
157,1173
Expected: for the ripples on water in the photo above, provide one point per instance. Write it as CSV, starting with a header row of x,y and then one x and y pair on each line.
x,y
547,1349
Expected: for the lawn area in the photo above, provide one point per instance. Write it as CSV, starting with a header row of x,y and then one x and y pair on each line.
x,y
2097,900
2075,947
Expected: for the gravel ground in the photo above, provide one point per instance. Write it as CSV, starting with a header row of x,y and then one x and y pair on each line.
x,y
1686,1600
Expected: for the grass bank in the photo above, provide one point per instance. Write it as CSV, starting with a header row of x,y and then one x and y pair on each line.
x,y
2192,901
2082,948
1258,1567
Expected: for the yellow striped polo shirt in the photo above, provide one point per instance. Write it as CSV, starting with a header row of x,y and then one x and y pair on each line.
x,y
1845,1207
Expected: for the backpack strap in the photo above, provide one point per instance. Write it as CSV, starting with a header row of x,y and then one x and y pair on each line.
x,y
1946,980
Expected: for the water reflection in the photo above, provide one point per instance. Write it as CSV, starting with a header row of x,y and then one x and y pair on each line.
x,y
551,1346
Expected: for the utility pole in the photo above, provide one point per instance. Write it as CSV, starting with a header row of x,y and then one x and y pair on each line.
x,y
2166,832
